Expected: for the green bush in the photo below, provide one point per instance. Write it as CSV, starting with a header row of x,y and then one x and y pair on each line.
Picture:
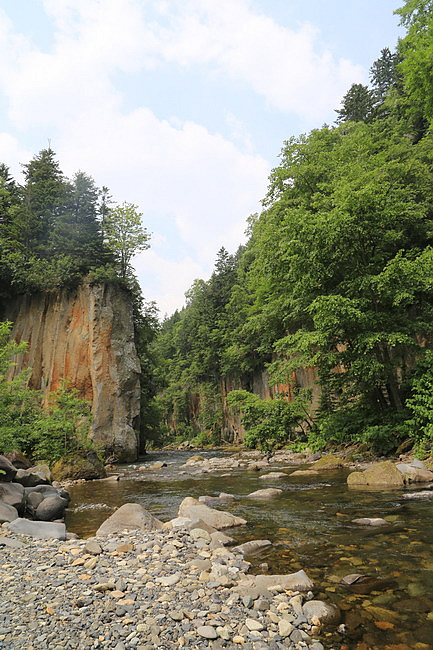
x,y
269,423
61,427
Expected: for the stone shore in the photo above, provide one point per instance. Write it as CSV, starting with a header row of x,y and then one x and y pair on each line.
x,y
142,590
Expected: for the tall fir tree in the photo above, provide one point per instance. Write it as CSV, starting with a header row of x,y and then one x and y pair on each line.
x,y
43,199
76,231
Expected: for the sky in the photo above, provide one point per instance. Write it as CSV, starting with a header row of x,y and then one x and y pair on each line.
x,y
179,106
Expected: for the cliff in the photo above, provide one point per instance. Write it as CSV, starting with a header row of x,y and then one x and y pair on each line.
x,y
260,385
85,335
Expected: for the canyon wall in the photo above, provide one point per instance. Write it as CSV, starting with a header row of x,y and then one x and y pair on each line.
x,y
259,384
85,335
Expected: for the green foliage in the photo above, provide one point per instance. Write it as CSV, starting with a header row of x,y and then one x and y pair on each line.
x,y
18,405
202,439
420,403
416,50
125,235
64,428
59,428
357,105
269,423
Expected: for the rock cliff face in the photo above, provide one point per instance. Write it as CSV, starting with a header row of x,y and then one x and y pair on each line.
x,y
260,385
85,335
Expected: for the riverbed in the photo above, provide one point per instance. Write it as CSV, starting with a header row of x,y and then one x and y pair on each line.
x,y
310,528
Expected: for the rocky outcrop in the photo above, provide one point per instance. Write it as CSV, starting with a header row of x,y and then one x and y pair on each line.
x,y
79,465
85,335
379,474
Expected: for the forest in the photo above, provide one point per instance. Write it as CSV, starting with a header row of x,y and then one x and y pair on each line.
x,y
336,276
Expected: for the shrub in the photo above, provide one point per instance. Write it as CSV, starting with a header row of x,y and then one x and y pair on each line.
x,y
269,423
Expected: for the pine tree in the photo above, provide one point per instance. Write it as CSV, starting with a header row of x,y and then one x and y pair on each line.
x,y
357,105
76,231
43,200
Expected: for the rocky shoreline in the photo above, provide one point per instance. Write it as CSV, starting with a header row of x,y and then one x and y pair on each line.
x,y
147,589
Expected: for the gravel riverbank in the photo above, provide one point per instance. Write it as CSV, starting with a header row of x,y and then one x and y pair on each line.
x,y
141,590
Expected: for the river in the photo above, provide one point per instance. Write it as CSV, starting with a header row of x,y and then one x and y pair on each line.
x,y
310,528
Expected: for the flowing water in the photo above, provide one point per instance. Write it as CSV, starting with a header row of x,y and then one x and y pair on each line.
x,y
310,528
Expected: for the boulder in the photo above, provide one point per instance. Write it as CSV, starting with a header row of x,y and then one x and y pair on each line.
x,y
38,529
267,493
51,508
157,465
326,613
225,496
79,465
415,472
328,462
27,478
33,500
218,519
18,460
47,491
260,585
219,539
304,472
192,460
251,547
43,470
370,521
379,474
13,495
273,476
130,516
7,513
7,470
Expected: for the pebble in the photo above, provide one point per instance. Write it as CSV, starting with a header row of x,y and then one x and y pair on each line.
x,y
139,590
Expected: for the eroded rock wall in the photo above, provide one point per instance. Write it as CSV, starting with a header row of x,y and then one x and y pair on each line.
x,y
259,384
85,335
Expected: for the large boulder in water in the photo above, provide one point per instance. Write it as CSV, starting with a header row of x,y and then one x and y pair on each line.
x,y
79,465
218,519
326,613
130,516
384,474
328,462
415,472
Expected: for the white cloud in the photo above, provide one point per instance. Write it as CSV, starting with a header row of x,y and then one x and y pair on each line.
x,y
12,154
173,278
285,66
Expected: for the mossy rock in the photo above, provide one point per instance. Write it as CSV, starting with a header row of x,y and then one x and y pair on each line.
x,y
195,459
79,465
380,474
328,462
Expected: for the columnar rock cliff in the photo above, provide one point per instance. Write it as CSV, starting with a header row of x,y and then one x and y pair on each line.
x,y
85,335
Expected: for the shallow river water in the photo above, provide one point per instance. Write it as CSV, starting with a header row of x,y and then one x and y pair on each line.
x,y
310,528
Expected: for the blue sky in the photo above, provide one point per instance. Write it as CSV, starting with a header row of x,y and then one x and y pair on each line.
x,y
179,106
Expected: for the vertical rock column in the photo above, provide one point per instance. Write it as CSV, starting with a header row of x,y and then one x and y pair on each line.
x,y
85,335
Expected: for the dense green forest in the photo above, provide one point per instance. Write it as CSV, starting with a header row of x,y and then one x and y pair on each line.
x,y
336,275
55,233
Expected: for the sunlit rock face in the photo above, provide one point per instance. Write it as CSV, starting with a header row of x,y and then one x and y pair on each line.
x,y
85,335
